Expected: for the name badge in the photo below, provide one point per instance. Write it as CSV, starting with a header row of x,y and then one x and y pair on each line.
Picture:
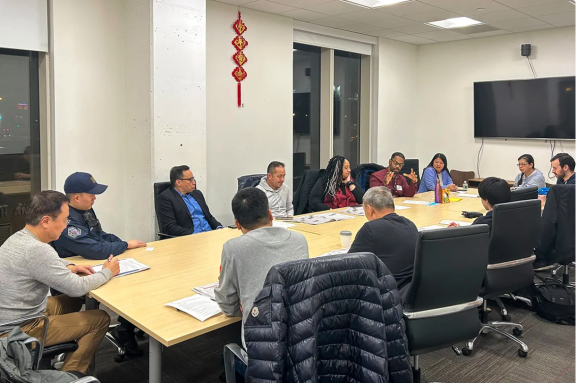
x,y
399,187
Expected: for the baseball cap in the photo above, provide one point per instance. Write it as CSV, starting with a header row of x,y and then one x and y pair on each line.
x,y
80,182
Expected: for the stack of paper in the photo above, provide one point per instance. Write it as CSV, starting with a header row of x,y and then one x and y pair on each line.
x,y
358,210
461,223
318,219
127,266
412,202
431,227
400,207
207,290
199,306
282,224
468,195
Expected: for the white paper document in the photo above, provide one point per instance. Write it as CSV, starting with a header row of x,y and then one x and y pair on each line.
x,y
431,227
207,290
358,210
335,252
411,202
318,219
199,306
400,207
461,223
285,225
468,195
127,266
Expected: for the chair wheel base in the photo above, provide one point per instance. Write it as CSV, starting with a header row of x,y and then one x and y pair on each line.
x,y
522,353
517,332
119,358
466,351
506,318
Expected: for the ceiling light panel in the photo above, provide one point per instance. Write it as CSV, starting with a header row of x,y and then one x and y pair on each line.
x,y
456,22
375,3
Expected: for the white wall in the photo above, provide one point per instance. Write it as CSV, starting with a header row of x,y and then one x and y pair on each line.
x,y
445,116
243,141
397,91
24,24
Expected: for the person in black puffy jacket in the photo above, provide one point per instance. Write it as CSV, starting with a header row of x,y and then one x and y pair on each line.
x,y
336,318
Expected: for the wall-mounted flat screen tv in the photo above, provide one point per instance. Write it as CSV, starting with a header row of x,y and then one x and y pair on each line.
x,y
541,108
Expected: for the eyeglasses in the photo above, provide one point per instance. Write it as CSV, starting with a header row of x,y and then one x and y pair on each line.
x,y
521,165
55,218
397,163
191,179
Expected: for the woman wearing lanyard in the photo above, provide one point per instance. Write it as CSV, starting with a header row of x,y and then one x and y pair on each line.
x,y
529,175
437,169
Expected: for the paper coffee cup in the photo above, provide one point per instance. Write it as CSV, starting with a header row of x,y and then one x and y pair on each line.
x,y
345,238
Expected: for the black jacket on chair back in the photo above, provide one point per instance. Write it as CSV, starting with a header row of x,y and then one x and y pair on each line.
x,y
302,195
515,229
556,243
336,318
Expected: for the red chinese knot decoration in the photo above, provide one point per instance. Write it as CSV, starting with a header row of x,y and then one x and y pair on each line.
x,y
239,58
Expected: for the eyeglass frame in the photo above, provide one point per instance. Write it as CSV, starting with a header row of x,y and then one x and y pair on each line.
x,y
191,179
397,163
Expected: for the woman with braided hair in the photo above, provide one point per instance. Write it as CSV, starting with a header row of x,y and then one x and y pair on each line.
x,y
335,188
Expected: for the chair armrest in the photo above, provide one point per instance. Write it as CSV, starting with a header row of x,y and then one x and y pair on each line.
x,y
165,235
87,379
232,350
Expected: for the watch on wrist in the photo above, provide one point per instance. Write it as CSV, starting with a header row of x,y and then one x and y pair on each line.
x,y
349,183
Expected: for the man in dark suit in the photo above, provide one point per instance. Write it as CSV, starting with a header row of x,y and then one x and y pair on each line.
x,y
182,209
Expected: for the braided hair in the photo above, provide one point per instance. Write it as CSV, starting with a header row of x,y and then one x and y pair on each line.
x,y
333,176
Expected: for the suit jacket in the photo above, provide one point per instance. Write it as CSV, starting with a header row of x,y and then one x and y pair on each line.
x,y
174,218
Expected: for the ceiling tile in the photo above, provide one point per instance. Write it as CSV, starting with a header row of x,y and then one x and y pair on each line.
x,y
333,22
393,22
548,9
476,29
493,17
300,3
304,15
387,33
267,6
559,20
527,3
531,28
406,8
413,39
416,28
491,33
426,17
236,2
439,34
466,7
366,16
526,22
335,8
359,27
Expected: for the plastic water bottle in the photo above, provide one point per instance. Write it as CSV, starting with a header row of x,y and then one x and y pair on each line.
x,y
465,185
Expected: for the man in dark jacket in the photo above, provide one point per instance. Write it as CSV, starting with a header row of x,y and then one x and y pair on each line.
x,y
390,236
84,236
337,316
182,209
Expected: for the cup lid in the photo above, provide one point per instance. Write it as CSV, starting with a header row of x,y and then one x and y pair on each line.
x,y
345,232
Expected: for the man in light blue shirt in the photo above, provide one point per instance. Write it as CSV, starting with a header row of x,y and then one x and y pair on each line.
x,y
182,209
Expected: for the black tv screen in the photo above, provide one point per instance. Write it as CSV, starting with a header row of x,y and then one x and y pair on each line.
x,y
537,108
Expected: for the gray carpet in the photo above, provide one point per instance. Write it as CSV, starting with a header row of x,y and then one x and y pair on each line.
x,y
495,359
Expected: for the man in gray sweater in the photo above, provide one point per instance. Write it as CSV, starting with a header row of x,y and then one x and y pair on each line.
x,y
277,192
247,259
29,266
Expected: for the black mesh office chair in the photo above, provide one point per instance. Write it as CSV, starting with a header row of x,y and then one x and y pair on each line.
x,y
442,300
302,194
249,181
159,187
522,194
46,353
515,228
362,173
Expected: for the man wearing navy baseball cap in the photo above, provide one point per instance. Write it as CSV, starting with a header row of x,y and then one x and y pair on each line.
x,y
84,236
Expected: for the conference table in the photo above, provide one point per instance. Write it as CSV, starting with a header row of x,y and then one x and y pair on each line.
x,y
178,265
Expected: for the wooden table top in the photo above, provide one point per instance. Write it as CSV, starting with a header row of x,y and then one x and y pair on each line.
x,y
180,264
15,187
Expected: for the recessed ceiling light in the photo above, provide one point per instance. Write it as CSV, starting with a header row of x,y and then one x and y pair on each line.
x,y
456,22
375,3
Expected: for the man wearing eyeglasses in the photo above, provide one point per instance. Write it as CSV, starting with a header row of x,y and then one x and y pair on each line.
x,y
182,209
394,181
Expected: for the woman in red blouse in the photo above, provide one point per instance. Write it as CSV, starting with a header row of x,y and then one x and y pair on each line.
x,y
335,188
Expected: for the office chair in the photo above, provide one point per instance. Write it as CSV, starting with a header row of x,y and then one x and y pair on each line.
x,y
515,228
347,292
442,300
411,164
159,187
522,194
362,172
45,353
249,181
458,177
302,194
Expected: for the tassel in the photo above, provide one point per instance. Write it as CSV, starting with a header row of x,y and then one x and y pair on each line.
x,y
239,95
